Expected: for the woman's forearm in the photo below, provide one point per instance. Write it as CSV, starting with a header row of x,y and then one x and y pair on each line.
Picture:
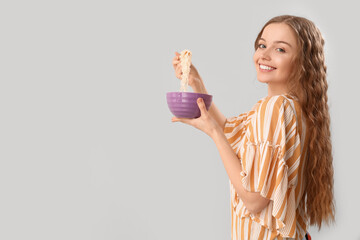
x,y
253,201
217,115
199,87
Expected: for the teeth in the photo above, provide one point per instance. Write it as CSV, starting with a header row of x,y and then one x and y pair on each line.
x,y
266,67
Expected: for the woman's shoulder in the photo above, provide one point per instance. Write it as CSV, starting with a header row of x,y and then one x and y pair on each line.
x,y
272,114
272,104
276,103
270,109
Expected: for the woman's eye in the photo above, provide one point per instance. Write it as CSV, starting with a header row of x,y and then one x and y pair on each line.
x,y
278,49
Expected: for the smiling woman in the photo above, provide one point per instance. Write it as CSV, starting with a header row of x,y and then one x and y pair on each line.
x,y
277,155
274,57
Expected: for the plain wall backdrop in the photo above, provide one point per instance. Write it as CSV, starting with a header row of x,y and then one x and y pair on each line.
x,y
87,146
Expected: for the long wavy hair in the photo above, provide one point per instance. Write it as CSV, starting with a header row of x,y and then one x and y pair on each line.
x,y
308,83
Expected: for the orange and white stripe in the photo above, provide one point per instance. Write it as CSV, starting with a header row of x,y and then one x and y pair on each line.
x,y
270,141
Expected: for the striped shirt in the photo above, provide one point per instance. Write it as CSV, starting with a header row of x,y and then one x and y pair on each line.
x,y
271,142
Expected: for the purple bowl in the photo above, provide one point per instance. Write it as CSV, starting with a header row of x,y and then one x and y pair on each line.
x,y
184,105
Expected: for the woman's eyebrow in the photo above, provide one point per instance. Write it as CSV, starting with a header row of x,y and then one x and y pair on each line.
x,y
277,42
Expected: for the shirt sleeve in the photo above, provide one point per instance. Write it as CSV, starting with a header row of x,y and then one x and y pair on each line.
x,y
270,161
234,127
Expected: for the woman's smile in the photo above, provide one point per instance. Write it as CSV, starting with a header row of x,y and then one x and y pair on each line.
x,y
266,68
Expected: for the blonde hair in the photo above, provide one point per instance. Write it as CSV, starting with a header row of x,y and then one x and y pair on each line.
x,y
308,83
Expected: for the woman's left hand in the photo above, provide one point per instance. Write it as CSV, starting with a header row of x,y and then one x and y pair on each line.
x,y
205,122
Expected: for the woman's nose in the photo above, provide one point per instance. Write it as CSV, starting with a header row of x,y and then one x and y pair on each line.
x,y
265,54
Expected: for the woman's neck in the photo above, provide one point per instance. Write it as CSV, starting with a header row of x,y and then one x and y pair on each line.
x,y
278,89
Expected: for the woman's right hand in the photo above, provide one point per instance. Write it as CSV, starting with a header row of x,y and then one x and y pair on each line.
x,y
194,77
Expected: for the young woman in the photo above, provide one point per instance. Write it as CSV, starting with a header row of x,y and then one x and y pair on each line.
x,y
278,155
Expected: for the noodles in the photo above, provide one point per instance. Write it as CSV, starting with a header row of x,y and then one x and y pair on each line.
x,y
185,61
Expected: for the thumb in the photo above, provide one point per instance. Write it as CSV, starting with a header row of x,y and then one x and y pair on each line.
x,y
201,105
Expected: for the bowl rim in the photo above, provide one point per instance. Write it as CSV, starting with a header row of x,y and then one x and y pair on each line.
x,y
201,94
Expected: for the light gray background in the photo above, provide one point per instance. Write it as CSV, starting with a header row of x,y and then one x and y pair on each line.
x,y
87,147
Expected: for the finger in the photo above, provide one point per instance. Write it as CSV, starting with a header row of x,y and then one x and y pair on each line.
x,y
179,68
178,71
202,106
175,62
183,120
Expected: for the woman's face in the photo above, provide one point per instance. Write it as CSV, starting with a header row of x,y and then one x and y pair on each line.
x,y
277,47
